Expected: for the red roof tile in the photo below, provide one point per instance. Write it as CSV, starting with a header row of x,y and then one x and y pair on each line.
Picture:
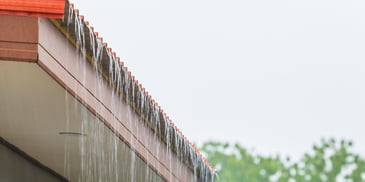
x,y
40,8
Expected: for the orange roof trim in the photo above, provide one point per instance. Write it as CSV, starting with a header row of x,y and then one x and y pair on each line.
x,y
39,8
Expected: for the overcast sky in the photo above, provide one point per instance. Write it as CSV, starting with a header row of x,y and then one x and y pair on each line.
x,y
275,76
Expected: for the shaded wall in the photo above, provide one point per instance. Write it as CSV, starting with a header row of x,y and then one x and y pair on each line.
x,y
15,167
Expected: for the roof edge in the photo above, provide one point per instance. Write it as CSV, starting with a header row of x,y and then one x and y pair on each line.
x,y
38,8
131,90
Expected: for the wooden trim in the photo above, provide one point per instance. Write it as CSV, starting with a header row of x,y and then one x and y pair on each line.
x,y
19,38
18,51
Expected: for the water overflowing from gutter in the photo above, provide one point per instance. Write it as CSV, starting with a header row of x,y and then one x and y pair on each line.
x,y
104,157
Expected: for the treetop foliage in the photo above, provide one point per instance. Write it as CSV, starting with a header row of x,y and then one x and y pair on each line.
x,y
329,161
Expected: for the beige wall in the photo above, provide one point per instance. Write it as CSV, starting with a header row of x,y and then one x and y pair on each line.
x,y
15,168
35,109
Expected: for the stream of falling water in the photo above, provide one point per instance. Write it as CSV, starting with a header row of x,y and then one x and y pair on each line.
x,y
99,154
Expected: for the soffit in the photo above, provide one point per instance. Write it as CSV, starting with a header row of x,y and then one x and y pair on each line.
x,y
34,110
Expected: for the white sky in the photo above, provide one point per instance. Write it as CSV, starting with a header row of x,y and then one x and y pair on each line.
x,y
275,76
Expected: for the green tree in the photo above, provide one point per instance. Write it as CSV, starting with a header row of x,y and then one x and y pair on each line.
x,y
330,161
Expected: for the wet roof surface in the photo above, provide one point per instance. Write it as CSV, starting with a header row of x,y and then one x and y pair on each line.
x,y
40,8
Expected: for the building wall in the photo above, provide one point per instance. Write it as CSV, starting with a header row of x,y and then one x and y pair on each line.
x,y
34,110
49,87
15,167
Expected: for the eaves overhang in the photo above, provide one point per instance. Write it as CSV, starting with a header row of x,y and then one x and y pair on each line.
x,y
130,89
90,44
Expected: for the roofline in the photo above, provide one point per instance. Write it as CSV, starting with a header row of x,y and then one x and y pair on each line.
x,y
39,8
140,100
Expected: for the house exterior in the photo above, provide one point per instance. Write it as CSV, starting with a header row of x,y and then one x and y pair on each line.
x,y
71,111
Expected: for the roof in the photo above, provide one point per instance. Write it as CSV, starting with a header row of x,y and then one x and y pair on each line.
x,y
41,8
83,36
